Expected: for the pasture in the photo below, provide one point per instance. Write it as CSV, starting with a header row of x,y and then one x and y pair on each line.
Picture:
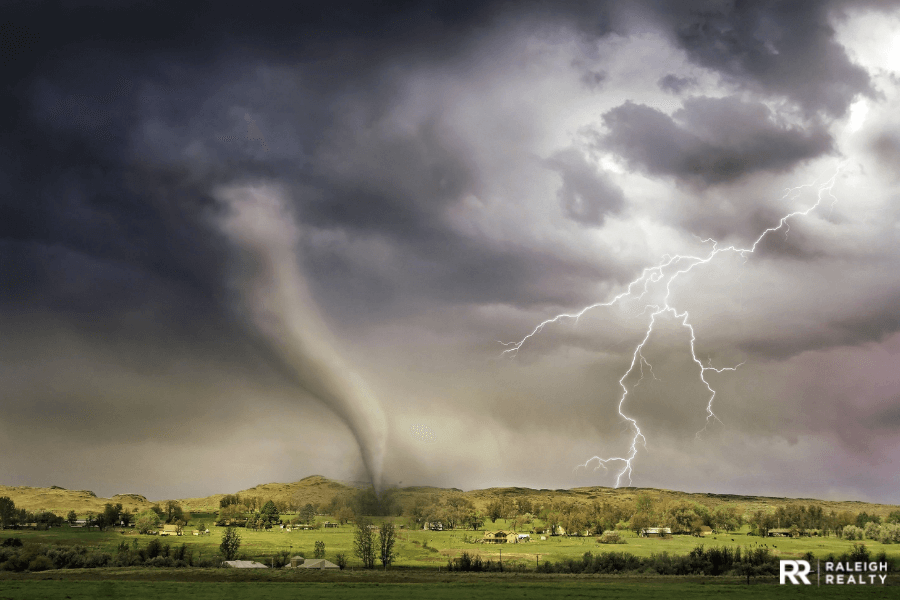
x,y
170,584
416,548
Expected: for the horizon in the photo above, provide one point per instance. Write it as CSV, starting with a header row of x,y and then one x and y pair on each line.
x,y
335,237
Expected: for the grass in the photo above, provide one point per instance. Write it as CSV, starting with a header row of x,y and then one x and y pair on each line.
x,y
432,549
196,584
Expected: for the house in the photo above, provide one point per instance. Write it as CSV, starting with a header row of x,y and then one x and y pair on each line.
x,y
244,564
500,537
782,533
320,564
170,530
656,532
704,531
329,524
524,537
435,526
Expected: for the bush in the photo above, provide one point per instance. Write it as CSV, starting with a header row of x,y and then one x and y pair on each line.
x,y
611,537
852,532
41,563
340,560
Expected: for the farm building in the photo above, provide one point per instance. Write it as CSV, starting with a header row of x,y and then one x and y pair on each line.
x,y
170,530
656,532
704,531
782,533
435,526
321,564
328,524
500,537
244,564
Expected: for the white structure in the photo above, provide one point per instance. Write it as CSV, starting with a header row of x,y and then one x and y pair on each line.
x,y
244,564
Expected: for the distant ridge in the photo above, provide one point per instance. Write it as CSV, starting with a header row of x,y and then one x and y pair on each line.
x,y
317,489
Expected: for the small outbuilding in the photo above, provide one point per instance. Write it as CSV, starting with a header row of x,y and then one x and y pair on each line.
x,y
244,564
321,564
656,532
705,530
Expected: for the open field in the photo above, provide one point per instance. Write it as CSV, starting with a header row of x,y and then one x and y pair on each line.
x,y
418,548
275,585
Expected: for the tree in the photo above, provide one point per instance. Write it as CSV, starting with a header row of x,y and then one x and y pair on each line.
x,y
319,551
147,521
387,536
307,513
71,517
340,560
364,542
229,499
174,513
726,518
494,510
231,542
269,514
109,516
7,512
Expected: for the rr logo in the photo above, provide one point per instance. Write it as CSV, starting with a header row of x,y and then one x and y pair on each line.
x,y
792,569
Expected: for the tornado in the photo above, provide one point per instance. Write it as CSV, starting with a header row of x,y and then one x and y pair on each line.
x,y
271,285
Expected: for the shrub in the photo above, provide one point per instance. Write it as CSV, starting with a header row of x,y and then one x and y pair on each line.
x,y
852,532
611,537
41,563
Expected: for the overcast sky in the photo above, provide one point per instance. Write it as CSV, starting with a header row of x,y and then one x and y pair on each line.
x,y
246,244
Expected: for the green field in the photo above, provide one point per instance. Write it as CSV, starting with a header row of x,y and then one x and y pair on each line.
x,y
189,583
432,549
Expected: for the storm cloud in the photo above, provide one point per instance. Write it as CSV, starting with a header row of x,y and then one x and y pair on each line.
x,y
294,236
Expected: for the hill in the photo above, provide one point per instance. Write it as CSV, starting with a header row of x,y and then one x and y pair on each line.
x,y
320,490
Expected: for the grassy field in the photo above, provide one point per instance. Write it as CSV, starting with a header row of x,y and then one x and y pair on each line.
x,y
269,585
418,548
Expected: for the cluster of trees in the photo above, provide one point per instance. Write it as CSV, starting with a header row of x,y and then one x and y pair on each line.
x,y
682,516
367,549
453,511
14,556
886,533
800,519
12,517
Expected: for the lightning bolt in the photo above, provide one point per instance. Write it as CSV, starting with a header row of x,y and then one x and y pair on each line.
x,y
667,271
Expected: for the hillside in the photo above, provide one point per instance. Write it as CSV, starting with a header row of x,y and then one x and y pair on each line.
x,y
320,490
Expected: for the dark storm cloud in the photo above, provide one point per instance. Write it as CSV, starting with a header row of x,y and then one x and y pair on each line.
x,y
586,195
785,49
710,141
675,84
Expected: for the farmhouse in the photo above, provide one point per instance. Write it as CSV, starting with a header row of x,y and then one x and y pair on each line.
x,y
781,533
500,537
170,530
656,532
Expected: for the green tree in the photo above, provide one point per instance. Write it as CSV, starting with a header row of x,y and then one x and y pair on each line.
x,y
340,559
71,517
147,521
231,542
387,536
269,514
7,512
110,515
307,513
364,542
319,551
174,513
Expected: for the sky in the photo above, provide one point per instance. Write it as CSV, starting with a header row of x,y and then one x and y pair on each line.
x,y
242,244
